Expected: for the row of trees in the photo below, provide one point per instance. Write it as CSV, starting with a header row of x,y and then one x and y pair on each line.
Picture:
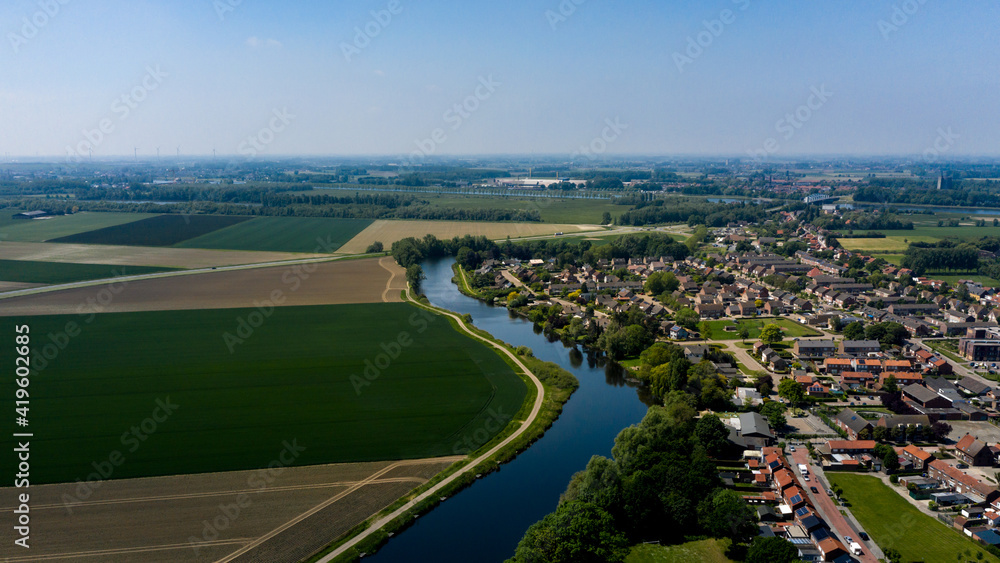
x,y
923,257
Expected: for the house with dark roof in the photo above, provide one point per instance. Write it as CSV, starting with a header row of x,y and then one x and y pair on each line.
x,y
973,386
852,423
814,349
754,432
924,397
859,347
904,420
973,452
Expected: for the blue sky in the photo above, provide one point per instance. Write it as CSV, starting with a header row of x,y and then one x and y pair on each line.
x,y
555,81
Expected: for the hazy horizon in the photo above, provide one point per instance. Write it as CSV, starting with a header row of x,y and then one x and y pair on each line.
x,y
731,78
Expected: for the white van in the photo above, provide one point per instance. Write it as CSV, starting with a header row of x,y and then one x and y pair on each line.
x,y
856,548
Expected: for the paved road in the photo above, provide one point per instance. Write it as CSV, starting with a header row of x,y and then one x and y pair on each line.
x,y
473,465
828,510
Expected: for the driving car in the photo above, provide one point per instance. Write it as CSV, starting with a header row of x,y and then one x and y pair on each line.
x,y
814,490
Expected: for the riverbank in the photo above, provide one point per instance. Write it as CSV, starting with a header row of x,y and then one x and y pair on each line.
x,y
552,388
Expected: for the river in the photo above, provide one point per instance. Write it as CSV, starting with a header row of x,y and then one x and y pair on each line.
x,y
484,522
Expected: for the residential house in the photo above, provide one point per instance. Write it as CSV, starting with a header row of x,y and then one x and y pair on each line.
x,y
852,423
957,480
924,397
710,310
859,347
814,349
972,451
917,456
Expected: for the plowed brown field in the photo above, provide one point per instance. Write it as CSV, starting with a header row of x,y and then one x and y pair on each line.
x,y
373,280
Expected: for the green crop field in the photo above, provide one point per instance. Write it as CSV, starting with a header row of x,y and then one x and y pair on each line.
x,y
792,329
282,234
39,230
704,551
160,230
890,244
300,375
552,210
892,522
60,272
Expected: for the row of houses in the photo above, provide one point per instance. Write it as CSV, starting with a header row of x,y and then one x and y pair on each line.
x,y
785,509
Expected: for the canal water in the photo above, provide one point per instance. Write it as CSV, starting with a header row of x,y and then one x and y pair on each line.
x,y
484,522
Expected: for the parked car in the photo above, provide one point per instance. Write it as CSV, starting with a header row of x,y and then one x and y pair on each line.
x,y
863,535
791,448
829,492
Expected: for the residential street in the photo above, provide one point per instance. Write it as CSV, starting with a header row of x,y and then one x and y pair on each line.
x,y
829,511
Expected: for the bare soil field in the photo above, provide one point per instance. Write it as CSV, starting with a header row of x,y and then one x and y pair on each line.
x,y
281,514
138,255
388,232
374,280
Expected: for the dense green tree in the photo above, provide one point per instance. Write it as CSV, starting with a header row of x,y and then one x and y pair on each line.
x,y
890,385
705,329
743,332
375,248
791,390
771,550
726,515
712,433
687,318
577,532
888,334
772,334
775,414
661,282
854,331
600,484
414,275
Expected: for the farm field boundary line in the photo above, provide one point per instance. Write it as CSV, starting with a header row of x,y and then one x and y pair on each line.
x,y
536,408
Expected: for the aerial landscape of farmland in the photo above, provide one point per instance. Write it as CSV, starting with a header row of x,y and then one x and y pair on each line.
x,y
509,282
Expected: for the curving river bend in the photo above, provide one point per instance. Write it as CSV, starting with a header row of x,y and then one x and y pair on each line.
x,y
484,522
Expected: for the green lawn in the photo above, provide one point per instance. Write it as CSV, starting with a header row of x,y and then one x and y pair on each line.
x,y
890,244
39,230
892,522
925,230
953,279
792,329
159,230
282,234
704,551
296,377
60,272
